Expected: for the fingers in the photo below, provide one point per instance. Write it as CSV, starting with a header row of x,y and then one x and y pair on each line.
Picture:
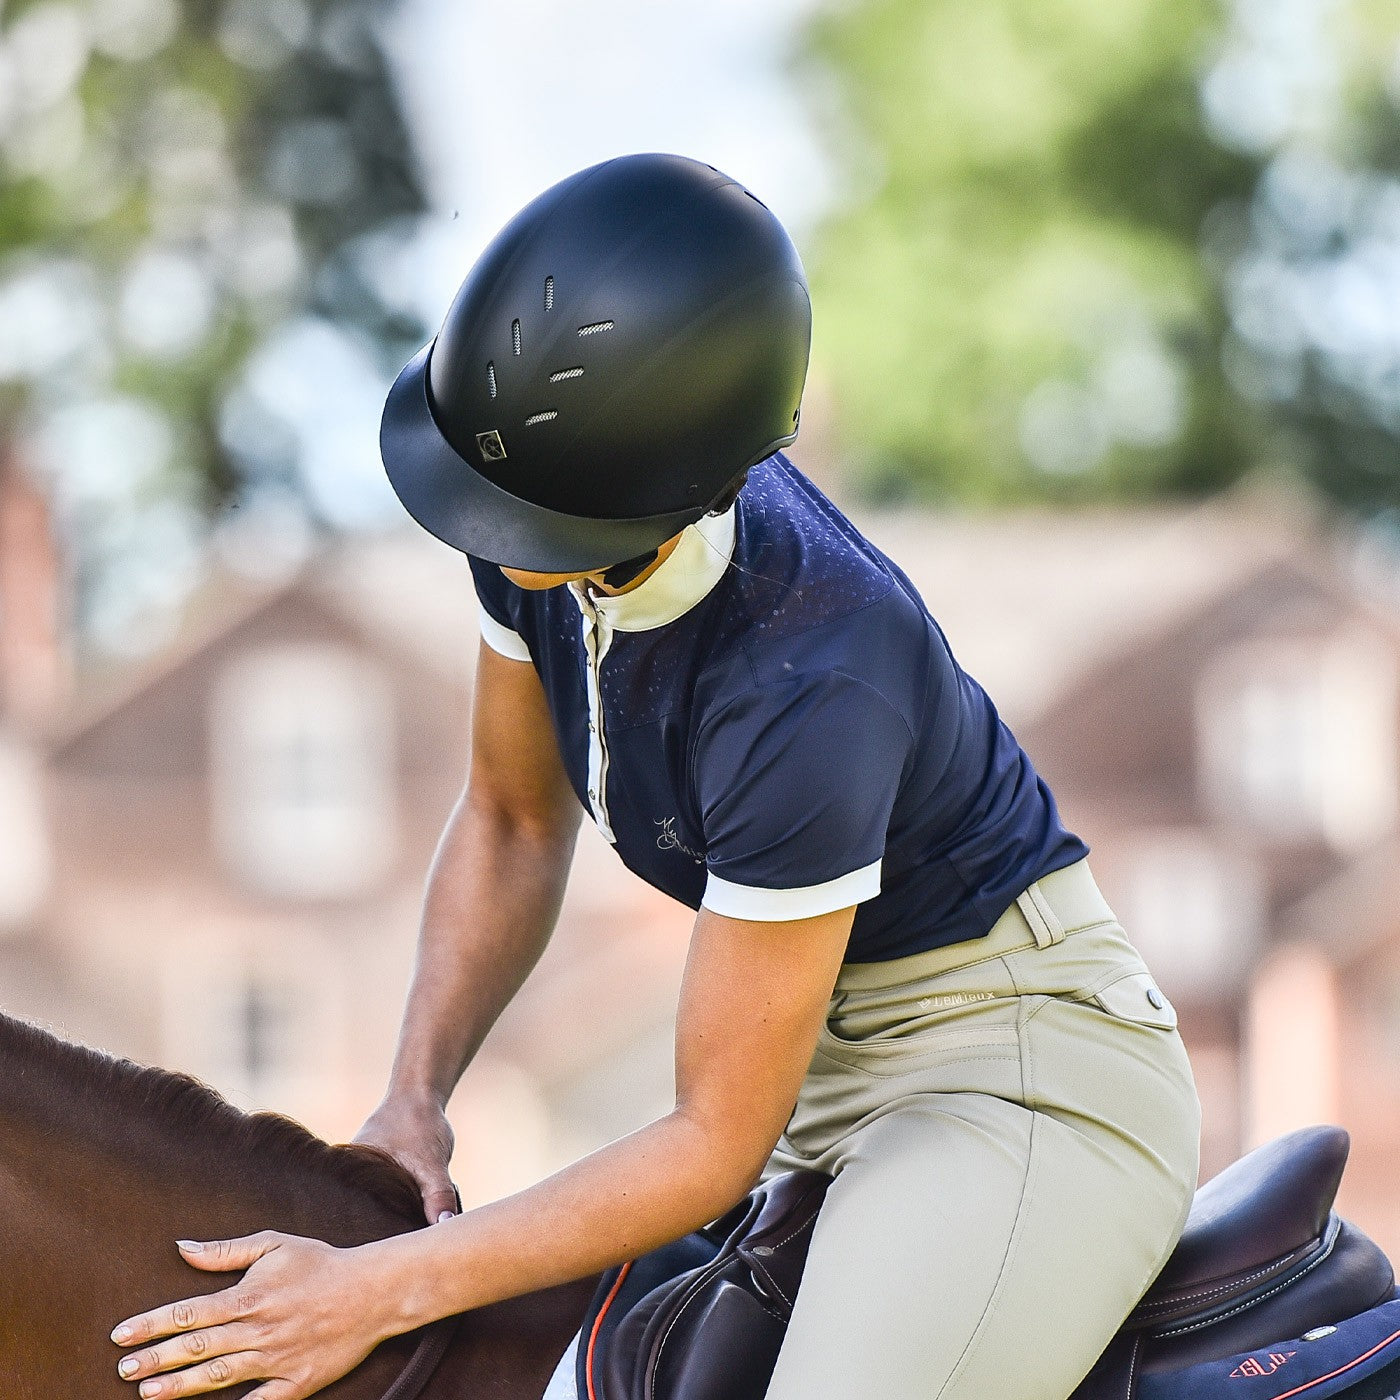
x,y
218,1256
440,1202
209,1343
211,1311
199,1380
226,1256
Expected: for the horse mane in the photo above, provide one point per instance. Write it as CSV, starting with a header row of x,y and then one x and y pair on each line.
x,y
107,1089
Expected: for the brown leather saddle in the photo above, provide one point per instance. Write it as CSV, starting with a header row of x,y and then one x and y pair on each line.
x,y
703,1318
1263,1256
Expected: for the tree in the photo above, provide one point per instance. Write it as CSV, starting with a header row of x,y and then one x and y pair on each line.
x,y
181,180
1038,285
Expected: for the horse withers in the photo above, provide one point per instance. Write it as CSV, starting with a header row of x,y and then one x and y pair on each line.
x,y
104,1164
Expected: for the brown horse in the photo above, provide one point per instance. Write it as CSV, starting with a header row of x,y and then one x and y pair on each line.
x,y
105,1163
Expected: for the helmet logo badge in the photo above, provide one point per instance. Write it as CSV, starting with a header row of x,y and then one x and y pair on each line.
x,y
492,448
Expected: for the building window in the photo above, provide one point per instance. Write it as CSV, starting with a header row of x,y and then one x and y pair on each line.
x,y
303,780
265,1032
1297,737
1192,908
254,1012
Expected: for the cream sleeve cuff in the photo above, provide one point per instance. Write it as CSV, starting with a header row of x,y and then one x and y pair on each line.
x,y
500,638
770,906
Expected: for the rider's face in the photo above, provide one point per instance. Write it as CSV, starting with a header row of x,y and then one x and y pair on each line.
x,y
527,578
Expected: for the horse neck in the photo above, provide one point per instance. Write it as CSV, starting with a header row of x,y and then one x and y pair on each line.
x,y
88,1223
102,1169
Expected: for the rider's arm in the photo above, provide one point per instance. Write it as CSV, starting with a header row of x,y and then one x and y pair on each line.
x,y
752,1002
492,899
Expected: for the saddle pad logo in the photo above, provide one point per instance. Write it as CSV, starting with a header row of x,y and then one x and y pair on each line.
x,y
1253,1366
492,448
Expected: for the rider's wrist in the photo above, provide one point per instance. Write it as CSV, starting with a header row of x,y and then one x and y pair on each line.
x,y
400,1283
417,1088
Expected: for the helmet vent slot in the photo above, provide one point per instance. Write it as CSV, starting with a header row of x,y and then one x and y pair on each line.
x,y
596,327
562,374
549,294
491,377
515,336
547,416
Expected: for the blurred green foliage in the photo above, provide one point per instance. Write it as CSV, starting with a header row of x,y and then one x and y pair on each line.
x,y
180,178
1062,271
184,185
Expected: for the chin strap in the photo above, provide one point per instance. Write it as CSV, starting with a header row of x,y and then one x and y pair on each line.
x,y
620,575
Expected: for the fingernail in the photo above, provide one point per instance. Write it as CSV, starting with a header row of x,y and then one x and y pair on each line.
x,y
149,1388
190,1246
446,1215
128,1366
122,1333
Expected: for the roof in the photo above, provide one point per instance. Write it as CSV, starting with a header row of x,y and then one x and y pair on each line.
x,y
403,593
1031,599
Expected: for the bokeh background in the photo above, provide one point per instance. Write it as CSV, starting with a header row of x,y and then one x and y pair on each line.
x,y
1107,355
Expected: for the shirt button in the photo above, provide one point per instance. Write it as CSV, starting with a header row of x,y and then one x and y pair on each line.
x,y
593,793
1155,997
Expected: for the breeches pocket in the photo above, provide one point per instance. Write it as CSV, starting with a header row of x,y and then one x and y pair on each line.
x,y
1134,997
910,1026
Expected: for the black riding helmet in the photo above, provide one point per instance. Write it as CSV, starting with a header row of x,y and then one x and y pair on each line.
x,y
625,349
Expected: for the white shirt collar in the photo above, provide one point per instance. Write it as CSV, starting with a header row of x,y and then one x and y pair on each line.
x,y
687,574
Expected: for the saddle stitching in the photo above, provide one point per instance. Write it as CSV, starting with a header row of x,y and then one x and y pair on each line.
x,y
697,1284
1200,1295
1250,1302
694,1293
1132,1365
701,1278
772,1282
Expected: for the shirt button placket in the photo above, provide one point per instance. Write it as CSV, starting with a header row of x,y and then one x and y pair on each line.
x,y
596,637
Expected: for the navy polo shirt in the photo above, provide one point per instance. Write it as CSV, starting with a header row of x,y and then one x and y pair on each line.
x,y
773,726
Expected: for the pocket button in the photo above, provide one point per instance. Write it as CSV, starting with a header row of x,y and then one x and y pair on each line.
x,y
1136,997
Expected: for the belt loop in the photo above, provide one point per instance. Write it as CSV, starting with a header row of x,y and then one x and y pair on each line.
x,y
1040,916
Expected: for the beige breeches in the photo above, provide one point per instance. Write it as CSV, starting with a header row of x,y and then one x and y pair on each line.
x,y
1013,1128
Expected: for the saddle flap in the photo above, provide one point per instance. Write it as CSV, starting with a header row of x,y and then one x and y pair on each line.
x,y
1259,1219
686,1367
776,1250
713,1314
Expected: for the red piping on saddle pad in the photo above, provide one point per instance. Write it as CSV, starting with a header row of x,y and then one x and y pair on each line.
x,y
598,1322
1299,1389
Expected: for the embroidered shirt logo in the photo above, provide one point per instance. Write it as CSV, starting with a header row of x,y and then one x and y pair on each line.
x,y
669,841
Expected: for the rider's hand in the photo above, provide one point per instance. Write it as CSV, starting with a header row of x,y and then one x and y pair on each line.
x,y
414,1131
301,1317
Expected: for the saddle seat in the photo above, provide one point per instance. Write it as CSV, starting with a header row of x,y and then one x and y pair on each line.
x,y
1262,1256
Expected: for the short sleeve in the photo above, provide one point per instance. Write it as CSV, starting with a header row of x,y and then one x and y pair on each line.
x,y
796,781
497,630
